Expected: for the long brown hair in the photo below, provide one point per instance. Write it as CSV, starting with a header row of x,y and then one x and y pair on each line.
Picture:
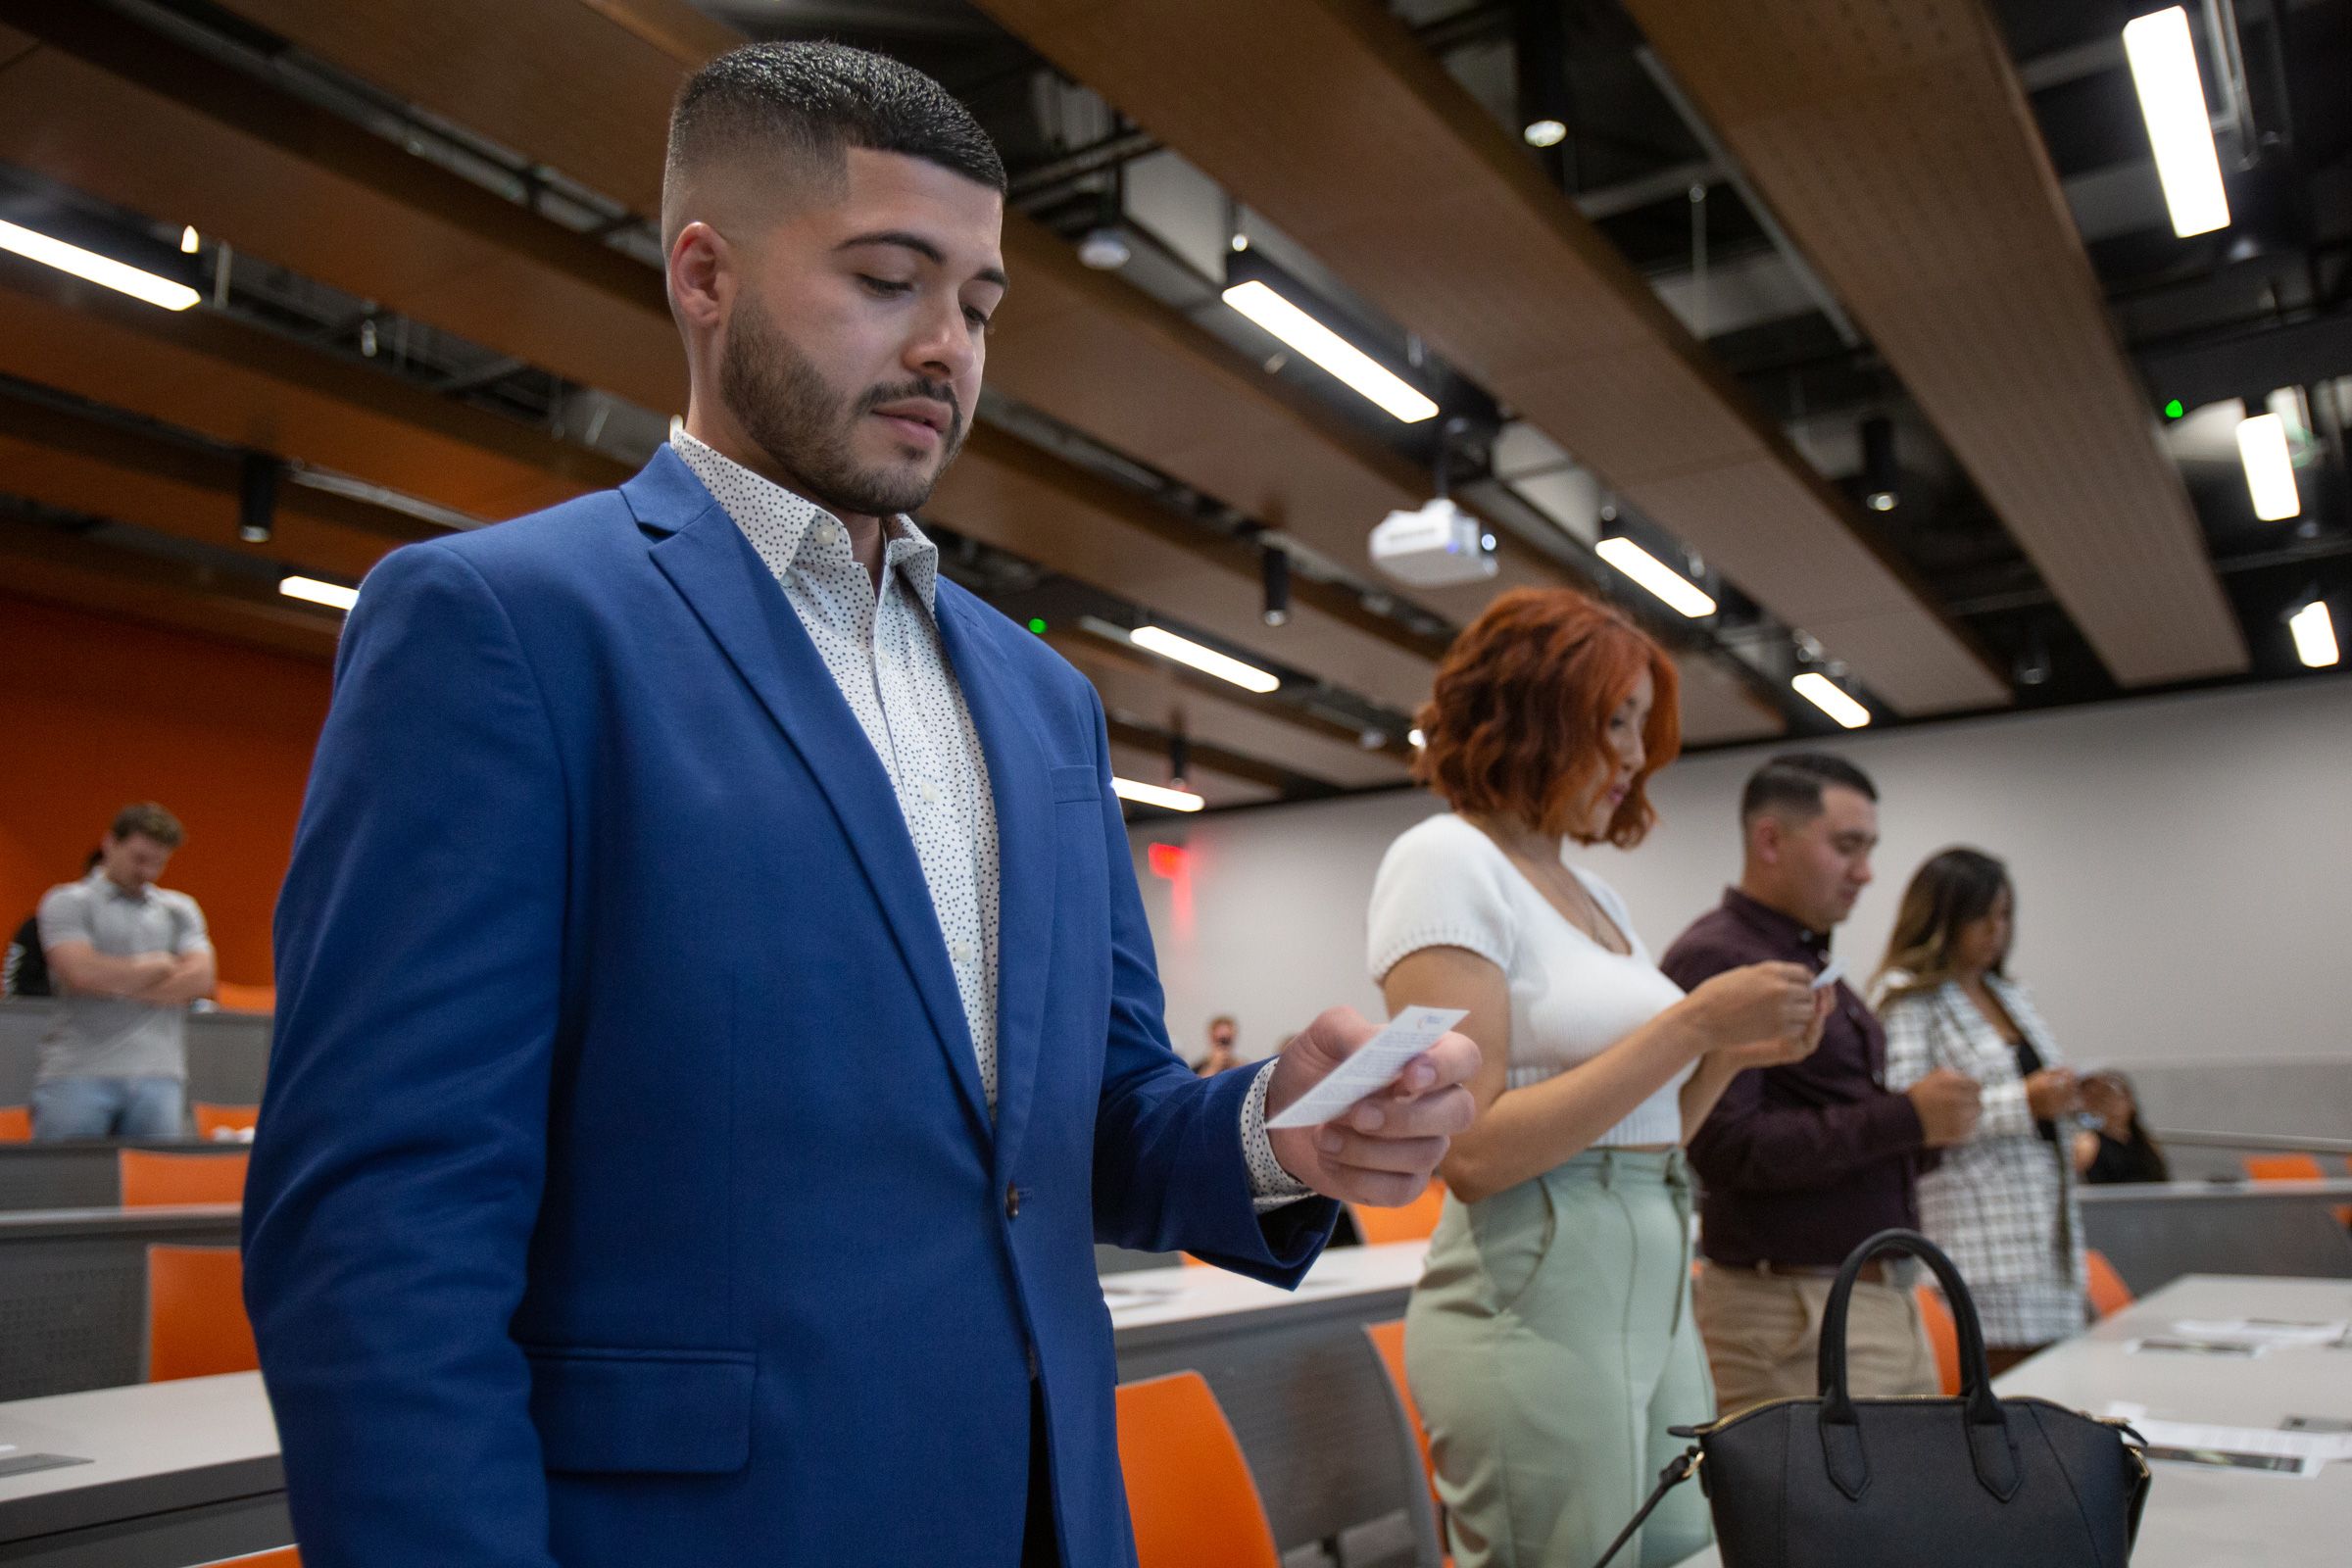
x,y
1953,889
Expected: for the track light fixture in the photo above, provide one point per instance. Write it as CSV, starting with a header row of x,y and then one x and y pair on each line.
x,y
1880,480
256,498
1276,568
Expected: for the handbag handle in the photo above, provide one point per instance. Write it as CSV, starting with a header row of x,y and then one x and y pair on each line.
x,y
1988,1440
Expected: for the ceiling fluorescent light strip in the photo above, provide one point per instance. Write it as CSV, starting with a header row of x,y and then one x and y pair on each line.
x,y
1831,699
2270,471
333,595
2314,635
1167,645
1334,353
2172,100
92,268
1679,594
1166,799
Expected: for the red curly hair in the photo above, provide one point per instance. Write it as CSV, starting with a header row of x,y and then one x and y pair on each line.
x,y
1517,726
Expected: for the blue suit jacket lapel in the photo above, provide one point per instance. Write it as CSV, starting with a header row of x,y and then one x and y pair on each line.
x,y
710,564
1025,856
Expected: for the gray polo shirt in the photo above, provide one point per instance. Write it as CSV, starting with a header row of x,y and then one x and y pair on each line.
x,y
114,1036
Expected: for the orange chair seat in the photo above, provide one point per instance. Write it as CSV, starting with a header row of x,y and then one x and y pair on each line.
x,y
196,1324
219,1122
2109,1294
16,1124
1944,1333
1189,1490
153,1177
1416,1221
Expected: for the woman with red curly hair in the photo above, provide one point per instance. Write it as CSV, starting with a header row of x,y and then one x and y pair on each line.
x,y
1550,1342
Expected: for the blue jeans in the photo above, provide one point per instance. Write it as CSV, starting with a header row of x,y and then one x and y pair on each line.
x,y
109,1107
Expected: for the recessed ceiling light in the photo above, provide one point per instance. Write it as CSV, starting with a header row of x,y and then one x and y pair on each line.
x,y
2172,100
2314,635
1166,799
1831,699
1679,594
2270,471
1544,133
1359,371
333,595
92,268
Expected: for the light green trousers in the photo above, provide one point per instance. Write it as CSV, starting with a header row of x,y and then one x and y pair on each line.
x,y
1550,1346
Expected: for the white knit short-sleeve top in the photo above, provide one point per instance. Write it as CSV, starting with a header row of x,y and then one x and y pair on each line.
x,y
1445,884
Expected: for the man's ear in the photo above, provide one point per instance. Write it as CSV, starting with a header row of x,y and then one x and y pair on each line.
x,y
701,277
1765,836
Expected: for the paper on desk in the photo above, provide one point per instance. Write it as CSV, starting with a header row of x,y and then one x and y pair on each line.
x,y
2249,1349
1373,1067
2311,1449
2262,1330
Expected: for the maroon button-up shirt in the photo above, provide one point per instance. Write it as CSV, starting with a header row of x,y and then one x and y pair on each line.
x,y
1797,1163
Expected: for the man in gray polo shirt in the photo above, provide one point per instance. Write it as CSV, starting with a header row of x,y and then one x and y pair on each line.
x,y
126,958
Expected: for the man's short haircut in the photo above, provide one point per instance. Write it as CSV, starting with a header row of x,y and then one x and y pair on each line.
x,y
149,821
809,103
1792,784
1225,1018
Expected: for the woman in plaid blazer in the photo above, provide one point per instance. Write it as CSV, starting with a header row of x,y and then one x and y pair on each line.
x,y
2003,1203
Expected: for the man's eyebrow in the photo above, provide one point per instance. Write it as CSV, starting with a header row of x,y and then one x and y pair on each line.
x,y
923,247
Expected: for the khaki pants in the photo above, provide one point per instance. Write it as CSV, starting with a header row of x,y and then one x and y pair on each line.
x,y
1763,1338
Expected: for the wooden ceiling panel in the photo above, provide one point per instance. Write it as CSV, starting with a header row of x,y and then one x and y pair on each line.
x,y
1146,766
73,483
1151,691
290,185
1334,121
1895,144
249,388
584,85
1009,494
84,576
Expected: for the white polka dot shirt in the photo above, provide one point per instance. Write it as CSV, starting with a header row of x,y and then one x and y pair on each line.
x,y
883,651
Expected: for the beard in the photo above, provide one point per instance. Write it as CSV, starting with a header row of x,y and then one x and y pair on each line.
x,y
805,425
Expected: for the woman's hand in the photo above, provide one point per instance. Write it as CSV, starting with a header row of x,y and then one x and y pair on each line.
x,y
2051,1094
1757,1004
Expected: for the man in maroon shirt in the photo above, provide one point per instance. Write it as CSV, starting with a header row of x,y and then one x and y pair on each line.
x,y
1801,1162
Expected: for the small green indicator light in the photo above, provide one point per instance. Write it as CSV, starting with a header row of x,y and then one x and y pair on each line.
x,y
1036,625
2173,410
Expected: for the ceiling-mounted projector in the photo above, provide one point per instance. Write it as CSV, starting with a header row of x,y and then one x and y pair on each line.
x,y
1439,546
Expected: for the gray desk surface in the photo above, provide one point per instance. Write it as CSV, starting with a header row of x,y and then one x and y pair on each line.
x,y
200,1446
2198,1518
2239,1191
85,1173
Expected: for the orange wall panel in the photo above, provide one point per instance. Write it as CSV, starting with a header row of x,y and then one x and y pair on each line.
x,y
96,712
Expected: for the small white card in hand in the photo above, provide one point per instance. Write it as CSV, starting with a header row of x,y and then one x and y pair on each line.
x,y
1830,977
1373,1067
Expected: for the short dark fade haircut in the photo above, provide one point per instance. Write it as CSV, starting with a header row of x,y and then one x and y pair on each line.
x,y
1793,782
814,101
149,821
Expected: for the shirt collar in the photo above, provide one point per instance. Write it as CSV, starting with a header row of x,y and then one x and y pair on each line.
x,y
906,551
1770,922
107,885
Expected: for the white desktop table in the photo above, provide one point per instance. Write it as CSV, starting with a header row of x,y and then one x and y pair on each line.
x,y
188,1472
2196,1517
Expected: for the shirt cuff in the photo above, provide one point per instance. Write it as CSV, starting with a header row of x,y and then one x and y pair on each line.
x,y
1269,1184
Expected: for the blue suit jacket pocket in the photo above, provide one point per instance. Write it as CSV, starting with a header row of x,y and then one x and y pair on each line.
x,y
1079,783
678,1412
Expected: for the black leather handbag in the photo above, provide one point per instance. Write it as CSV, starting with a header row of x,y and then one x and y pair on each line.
x,y
1966,1482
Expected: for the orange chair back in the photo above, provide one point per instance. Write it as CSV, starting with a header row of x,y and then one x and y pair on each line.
x,y
153,1177
211,1122
1389,1340
2284,1168
16,1124
234,997
1189,1490
1414,1222
2109,1294
1945,1335
282,1558
196,1322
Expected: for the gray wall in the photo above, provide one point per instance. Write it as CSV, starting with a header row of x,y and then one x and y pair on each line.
x,y
2184,869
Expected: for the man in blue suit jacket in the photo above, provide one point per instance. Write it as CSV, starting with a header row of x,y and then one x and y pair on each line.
x,y
716,1015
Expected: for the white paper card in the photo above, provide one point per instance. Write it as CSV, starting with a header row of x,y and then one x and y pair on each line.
x,y
2311,1449
1373,1067
2261,1330
1830,977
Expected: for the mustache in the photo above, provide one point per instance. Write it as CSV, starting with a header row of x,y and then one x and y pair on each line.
x,y
935,391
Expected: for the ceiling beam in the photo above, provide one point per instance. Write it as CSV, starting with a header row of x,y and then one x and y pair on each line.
x,y
60,569
1893,140
1335,122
